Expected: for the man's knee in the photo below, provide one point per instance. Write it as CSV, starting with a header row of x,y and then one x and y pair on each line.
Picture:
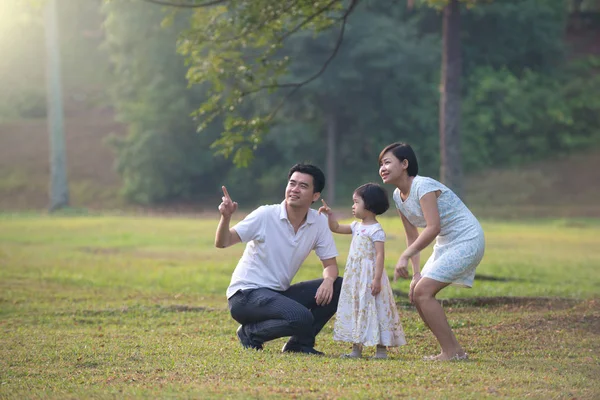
x,y
238,307
337,289
337,284
236,313
300,319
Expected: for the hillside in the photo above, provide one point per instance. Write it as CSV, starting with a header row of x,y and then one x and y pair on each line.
x,y
561,186
24,161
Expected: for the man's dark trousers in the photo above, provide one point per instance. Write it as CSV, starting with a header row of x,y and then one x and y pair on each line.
x,y
267,314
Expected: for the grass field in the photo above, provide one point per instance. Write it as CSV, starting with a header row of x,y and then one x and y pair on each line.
x,y
125,307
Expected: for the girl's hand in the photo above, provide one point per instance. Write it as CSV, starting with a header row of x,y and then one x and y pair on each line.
x,y
375,287
415,279
325,209
401,269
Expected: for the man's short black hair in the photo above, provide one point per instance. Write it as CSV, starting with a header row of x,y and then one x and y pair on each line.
x,y
375,198
312,170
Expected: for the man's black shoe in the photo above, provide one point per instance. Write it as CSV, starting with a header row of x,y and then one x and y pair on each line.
x,y
296,348
245,340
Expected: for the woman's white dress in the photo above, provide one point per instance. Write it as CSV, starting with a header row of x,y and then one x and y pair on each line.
x,y
460,245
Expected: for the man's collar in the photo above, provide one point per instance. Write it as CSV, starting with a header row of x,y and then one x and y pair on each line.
x,y
310,217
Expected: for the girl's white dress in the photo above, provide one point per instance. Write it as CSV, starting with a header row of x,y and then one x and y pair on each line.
x,y
361,317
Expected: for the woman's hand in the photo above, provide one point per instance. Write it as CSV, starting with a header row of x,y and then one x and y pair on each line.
x,y
401,269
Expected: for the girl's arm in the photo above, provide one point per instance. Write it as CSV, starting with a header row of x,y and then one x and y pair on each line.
x,y
379,260
334,225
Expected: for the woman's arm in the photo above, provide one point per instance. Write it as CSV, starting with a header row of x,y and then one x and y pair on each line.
x,y
432,228
412,233
419,241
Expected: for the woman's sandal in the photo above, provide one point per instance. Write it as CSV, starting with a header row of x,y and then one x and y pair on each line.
x,y
456,357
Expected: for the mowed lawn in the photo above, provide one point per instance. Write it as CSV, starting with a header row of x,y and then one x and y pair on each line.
x,y
134,307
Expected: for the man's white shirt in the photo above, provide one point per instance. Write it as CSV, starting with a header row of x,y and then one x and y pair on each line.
x,y
274,253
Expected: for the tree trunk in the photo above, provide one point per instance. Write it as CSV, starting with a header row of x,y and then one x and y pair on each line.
x,y
450,103
59,190
575,21
330,158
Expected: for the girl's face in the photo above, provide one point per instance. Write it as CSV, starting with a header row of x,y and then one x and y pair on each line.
x,y
358,207
391,169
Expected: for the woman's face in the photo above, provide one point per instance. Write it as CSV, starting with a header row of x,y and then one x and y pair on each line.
x,y
391,169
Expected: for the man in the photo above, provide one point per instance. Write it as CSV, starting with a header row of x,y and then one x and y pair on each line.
x,y
279,238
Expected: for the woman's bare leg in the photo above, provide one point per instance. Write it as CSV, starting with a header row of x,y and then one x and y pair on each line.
x,y
434,317
421,314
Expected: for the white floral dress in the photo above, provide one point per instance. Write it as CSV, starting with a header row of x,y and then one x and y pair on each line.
x,y
460,245
361,317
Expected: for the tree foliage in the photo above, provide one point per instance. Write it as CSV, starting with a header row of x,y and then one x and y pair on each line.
x,y
381,86
514,118
239,50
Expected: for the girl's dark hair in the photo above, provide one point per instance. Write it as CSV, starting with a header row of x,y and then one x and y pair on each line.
x,y
312,170
375,198
403,151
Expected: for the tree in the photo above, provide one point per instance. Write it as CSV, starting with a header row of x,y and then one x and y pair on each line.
x,y
451,172
59,188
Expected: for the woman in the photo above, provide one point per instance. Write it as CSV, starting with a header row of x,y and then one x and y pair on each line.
x,y
459,242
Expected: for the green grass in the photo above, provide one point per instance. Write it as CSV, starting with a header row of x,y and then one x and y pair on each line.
x,y
98,306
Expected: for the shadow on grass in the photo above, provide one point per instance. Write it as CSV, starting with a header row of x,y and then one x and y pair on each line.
x,y
554,303
498,301
477,301
137,310
491,278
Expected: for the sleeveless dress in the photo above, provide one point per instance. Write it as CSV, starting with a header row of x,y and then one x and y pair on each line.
x,y
460,245
361,317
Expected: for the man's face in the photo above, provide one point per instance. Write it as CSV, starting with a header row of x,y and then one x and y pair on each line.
x,y
299,190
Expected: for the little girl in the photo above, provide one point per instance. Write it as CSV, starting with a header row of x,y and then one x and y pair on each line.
x,y
367,313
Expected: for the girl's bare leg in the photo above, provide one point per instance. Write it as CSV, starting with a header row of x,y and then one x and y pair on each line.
x,y
356,351
434,317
